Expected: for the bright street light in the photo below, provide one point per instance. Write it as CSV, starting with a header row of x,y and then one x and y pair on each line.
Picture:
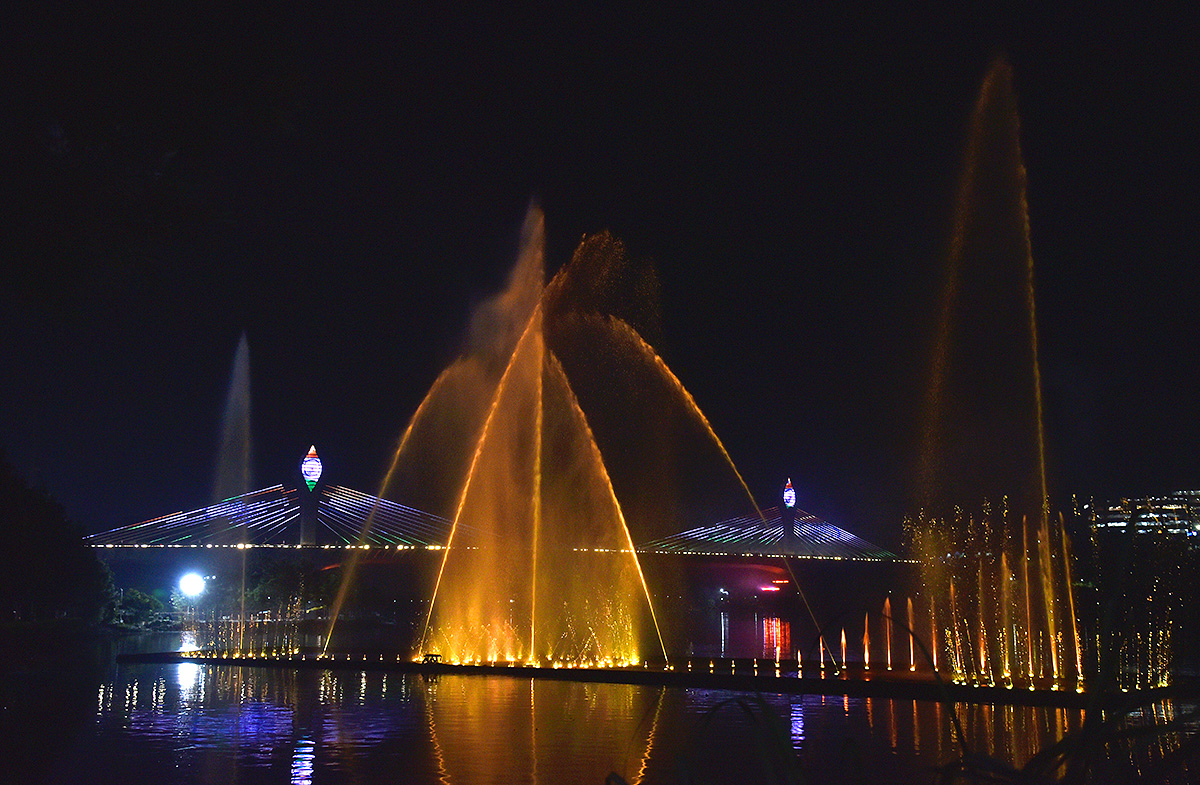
x,y
192,585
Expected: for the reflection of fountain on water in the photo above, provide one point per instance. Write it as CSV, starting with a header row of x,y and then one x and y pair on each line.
x,y
620,717
776,638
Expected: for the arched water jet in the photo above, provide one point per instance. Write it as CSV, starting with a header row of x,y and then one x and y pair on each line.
x,y
624,329
591,439
647,351
554,540
1070,584
351,565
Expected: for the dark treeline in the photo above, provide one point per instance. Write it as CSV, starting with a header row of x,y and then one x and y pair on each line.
x,y
46,570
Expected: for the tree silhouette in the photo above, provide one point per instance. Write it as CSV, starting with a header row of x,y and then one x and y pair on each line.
x,y
46,570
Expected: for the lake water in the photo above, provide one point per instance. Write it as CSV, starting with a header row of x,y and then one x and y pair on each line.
x,y
215,724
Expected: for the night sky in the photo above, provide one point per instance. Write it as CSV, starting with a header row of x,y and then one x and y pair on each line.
x,y
346,187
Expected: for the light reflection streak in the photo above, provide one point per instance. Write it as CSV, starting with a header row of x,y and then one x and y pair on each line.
x,y
650,738
533,733
187,675
302,761
797,717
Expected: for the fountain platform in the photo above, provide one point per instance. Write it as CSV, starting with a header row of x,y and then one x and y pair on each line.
x,y
741,675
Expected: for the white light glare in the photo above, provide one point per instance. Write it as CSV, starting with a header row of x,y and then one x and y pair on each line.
x,y
192,585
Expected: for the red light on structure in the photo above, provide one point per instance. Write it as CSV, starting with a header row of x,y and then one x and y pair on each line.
x,y
768,588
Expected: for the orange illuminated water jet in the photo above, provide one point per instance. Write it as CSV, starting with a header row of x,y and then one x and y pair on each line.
x,y
887,630
548,573
983,431
866,643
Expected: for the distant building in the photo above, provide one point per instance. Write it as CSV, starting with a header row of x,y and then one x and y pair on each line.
x,y
1176,514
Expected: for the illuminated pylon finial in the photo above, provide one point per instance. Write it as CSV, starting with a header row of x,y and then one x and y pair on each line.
x,y
310,467
789,494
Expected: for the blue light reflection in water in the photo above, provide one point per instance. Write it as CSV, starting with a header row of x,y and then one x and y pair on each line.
x,y
246,725
797,726
302,762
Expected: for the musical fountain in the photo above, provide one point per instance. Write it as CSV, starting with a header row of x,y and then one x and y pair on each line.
x,y
540,569
540,565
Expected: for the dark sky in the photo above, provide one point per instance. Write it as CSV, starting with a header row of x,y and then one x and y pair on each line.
x,y
347,188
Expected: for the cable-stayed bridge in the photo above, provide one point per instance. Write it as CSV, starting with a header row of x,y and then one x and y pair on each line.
x,y
336,517
751,535
276,517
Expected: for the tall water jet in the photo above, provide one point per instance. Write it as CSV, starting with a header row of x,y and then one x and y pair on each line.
x,y
887,628
866,642
234,466
912,655
983,436
933,633
1028,594
1007,636
1048,595
234,455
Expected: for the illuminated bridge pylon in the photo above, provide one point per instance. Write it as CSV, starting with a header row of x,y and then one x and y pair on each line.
x,y
270,517
810,538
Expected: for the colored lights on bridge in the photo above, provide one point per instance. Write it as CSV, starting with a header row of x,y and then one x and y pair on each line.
x,y
789,494
310,467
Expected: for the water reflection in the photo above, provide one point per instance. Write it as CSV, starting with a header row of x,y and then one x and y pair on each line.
x,y
537,728
187,675
166,724
797,726
302,762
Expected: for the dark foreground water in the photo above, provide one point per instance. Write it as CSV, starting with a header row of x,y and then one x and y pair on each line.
x,y
212,724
